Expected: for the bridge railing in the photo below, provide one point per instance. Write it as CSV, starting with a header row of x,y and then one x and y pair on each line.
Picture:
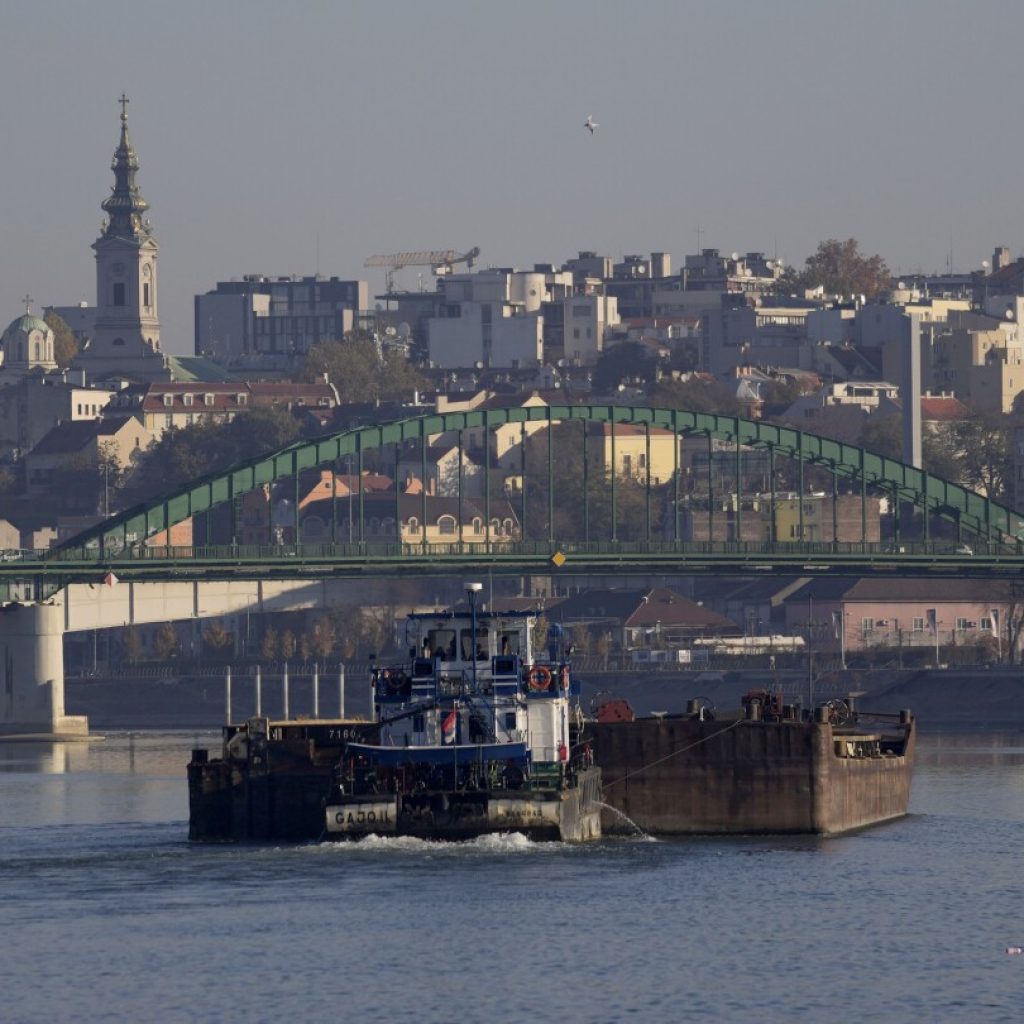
x,y
377,549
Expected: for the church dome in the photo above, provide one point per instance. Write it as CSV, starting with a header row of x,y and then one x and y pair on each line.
x,y
25,325
28,341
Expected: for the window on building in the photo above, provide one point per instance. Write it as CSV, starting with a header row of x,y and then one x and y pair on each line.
x,y
414,525
188,399
168,400
478,525
208,399
119,342
242,399
627,464
641,461
962,624
986,625
446,526
867,626
918,626
145,295
119,294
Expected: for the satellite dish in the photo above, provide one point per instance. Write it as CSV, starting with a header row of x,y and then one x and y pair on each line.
x,y
900,285
984,264
1009,312
734,256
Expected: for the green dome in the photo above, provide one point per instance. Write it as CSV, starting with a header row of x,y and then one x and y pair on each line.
x,y
26,324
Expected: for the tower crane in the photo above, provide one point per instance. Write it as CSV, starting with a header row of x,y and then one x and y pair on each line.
x,y
440,261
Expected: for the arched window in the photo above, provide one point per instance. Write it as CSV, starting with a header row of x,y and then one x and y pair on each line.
x,y
414,524
509,528
495,528
38,350
478,525
446,526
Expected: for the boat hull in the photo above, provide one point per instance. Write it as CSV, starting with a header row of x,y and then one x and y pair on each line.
x,y
562,815
685,776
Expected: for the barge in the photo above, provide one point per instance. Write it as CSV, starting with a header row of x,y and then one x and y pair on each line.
x,y
767,767
479,731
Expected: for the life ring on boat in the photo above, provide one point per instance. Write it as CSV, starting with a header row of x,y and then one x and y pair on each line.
x,y
539,678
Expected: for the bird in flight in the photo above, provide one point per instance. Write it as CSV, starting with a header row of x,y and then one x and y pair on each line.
x,y
590,124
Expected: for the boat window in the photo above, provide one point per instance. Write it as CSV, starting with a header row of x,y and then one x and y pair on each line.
x,y
440,642
481,644
510,720
509,642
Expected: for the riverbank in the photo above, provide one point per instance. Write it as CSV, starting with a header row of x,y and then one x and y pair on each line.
x,y
947,699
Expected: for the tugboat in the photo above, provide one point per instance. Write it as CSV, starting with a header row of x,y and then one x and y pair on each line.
x,y
481,731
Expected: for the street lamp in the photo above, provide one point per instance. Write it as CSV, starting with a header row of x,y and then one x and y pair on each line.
x,y
472,589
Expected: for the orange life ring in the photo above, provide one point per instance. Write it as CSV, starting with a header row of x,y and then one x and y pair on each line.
x,y
539,678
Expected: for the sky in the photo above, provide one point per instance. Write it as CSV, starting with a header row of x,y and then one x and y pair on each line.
x,y
304,137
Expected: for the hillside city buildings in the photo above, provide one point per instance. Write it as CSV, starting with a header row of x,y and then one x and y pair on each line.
x,y
510,337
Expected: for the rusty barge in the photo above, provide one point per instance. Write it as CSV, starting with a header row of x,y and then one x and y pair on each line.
x,y
767,767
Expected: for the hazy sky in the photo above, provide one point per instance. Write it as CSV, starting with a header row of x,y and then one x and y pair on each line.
x,y
269,132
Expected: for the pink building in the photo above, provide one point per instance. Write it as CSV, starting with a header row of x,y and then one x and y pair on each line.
x,y
905,613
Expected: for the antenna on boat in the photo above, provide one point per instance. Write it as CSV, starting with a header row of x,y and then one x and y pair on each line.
x,y
472,589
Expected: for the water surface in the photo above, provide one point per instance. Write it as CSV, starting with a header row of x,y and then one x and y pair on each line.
x,y
108,913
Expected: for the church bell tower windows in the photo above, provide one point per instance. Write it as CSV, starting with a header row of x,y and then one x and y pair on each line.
x,y
119,294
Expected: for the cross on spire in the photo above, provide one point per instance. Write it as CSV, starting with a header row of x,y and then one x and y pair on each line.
x,y
124,101
28,302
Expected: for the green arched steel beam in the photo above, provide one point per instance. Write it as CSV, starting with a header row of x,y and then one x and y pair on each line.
x,y
974,512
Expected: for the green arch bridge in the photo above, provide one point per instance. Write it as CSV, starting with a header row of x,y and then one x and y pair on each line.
x,y
569,513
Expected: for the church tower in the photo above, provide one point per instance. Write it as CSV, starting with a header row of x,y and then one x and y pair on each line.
x,y
127,327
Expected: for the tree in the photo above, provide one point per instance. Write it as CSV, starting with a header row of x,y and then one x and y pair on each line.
x,y
359,372
131,644
186,453
217,639
287,645
573,487
539,641
65,344
270,645
985,440
166,643
697,394
839,268
884,435
628,361
323,637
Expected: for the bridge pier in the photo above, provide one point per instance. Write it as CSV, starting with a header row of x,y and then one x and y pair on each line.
x,y
32,673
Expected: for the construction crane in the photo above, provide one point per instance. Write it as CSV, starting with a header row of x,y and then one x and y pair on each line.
x,y
440,261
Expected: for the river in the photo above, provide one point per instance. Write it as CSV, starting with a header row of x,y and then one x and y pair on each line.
x,y
107,912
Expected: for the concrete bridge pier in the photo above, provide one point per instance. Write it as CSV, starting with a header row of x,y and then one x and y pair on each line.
x,y
32,674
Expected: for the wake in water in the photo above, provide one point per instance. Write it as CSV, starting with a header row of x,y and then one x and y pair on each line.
x,y
493,843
